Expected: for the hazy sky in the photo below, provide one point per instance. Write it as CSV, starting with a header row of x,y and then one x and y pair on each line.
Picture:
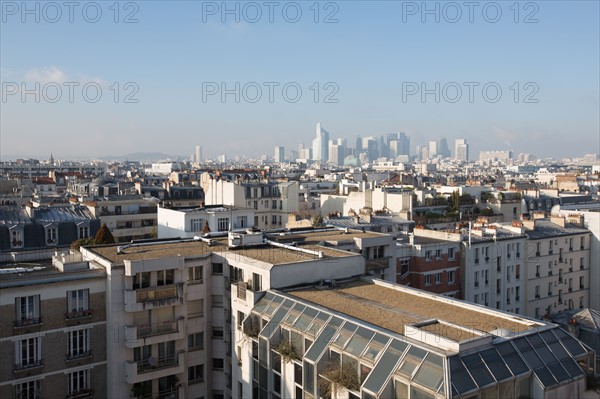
x,y
368,69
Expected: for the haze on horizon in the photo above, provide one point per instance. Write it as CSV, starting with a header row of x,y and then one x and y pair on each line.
x,y
366,61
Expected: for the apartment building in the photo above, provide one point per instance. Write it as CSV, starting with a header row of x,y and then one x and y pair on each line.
x,y
52,330
128,217
591,220
44,228
170,305
190,222
272,201
377,249
493,263
365,338
558,266
430,260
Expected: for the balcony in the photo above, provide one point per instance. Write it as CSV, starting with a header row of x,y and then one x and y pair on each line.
x,y
78,314
154,368
28,365
378,264
537,296
153,297
518,254
570,249
581,287
149,334
82,393
82,354
28,322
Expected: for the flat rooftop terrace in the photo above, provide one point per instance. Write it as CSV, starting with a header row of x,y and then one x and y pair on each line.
x,y
25,273
190,249
326,235
393,308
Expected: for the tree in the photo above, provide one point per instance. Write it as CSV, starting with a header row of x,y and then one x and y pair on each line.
x,y
206,228
104,236
82,242
455,207
317,221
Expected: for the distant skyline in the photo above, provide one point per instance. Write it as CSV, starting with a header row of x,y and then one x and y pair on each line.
x,y
367,61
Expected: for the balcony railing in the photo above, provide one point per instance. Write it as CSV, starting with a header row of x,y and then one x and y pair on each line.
x,y
154,293
171,393
29,365
379,263
79,355
157,363
77,314
82,393
154,367
148,330
28,322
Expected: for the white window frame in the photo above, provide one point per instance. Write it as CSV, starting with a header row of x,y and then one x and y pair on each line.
x,y
27,309
451,253
196,224
79,343
78,300
84,232
196,274
222,224
51,235
451,276
29,389
79,381
28,352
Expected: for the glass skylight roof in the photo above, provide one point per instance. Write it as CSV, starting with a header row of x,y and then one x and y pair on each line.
x,y
543,353
550,355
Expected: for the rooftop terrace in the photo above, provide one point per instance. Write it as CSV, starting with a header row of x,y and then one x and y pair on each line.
x,y
189,249
393,308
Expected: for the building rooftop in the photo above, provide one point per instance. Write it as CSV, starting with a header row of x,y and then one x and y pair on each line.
x,y
73,213
317,236
40,272
192,248
393,308
545,228
418,358
376,221
208,208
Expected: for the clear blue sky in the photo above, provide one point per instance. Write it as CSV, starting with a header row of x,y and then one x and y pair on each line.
x,y
373,50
